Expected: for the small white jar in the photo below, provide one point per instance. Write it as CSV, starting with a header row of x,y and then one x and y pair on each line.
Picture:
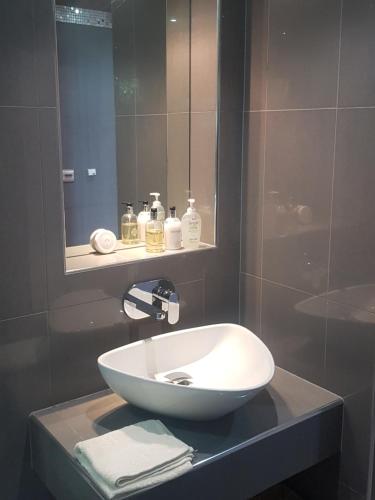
x,y
103,241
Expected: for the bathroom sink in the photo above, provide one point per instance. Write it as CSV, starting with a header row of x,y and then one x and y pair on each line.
x,y
197,374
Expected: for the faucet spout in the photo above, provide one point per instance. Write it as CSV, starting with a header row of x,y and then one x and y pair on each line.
x,y
157,299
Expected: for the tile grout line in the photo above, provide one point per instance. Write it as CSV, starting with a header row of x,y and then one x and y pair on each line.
x,y
333,182
242,163
263,178
328,108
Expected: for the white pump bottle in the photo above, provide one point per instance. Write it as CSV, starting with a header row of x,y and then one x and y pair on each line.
x,y
191,225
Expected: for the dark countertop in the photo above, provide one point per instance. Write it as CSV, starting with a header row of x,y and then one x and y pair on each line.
x,y
289,426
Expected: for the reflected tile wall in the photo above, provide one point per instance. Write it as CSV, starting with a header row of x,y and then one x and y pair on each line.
x,y
308,240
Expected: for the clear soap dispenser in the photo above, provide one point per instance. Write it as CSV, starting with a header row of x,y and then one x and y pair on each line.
x,y
172,231
159,207
191,226
154,233
129,226
142,219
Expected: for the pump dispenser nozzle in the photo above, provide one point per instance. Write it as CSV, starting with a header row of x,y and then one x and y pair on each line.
x,y
157,204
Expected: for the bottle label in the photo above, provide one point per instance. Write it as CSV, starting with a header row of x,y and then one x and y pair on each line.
x,y
173,239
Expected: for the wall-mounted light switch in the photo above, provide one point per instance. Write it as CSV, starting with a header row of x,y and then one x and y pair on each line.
x,y
91,172
68,175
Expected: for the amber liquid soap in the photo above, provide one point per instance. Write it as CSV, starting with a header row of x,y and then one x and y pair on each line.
x,y
154,234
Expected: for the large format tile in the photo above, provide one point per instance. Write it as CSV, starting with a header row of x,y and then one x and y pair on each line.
x,y
203,170
295,339
350,349
298,173
150,46
353,234
22,255
45,52
79,334
17,42
356,451
126,157
232,55
204,55
125,82
178,174
151,159
25,386
256,54
357,72
178,56
252,192
303,53
250,302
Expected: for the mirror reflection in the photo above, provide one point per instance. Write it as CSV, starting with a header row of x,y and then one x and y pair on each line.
x,y
125,73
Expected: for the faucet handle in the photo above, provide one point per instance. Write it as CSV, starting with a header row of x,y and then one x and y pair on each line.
x,y
173,308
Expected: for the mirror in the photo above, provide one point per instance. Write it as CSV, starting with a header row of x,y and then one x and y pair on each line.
x,y
138,113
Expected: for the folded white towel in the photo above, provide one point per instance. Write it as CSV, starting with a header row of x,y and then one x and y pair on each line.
x,y
134,458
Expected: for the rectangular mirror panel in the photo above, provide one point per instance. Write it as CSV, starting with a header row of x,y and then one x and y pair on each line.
x,y
138,114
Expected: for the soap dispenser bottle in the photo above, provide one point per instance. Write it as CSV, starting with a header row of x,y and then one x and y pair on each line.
x,y
129,226
191,226
143,218
154,233
172,231
157,204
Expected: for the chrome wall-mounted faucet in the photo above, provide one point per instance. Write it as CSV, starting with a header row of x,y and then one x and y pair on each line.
x,y
157,299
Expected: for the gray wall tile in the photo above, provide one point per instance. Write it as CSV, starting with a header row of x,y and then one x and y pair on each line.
x,y
17,42
299,167
357,73
151,160
178,56
252,192
124,57
296,339
203,55
79,334
22,254
350,349
353,234
25,386
178,161
126,156
203,169
250,305
256,52
324,335
356,449
150,41
303,54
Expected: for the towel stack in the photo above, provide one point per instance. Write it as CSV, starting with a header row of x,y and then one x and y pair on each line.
x,y
134,458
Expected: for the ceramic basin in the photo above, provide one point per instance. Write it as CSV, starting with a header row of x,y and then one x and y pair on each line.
x,y
197,374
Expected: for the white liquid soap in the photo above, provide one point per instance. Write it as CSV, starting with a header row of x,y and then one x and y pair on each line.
x,y
142,219
172,231
191,226
159,207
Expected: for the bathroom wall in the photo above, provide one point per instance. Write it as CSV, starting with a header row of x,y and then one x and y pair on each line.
x,y
53,326
308,237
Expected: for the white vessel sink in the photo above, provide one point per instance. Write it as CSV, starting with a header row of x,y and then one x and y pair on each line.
x,y
196,374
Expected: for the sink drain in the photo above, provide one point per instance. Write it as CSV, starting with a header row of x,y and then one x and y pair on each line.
x,y
179,378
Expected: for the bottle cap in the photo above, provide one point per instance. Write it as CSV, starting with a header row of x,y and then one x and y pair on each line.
x,y
154,213
172,212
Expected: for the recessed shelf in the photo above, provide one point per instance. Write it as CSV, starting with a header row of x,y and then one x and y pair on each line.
x,y
83,257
